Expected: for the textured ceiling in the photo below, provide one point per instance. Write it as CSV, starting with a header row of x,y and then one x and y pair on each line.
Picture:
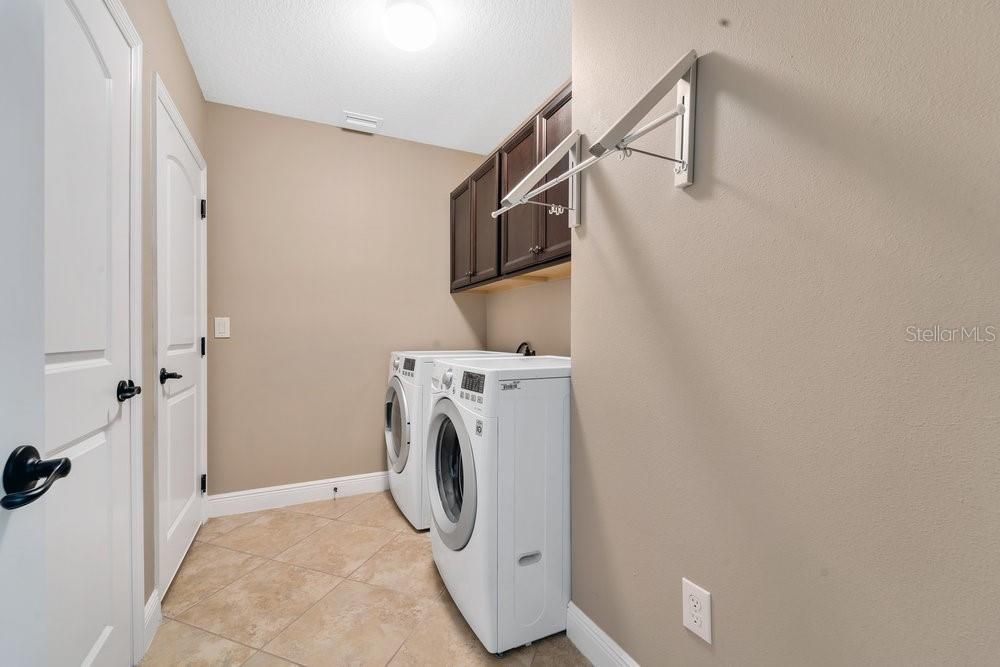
x,y
493,62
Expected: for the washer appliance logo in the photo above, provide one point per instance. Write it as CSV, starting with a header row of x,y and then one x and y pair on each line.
x,y
479,427
507,386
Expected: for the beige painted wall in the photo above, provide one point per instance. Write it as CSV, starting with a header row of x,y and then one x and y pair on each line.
x,y
328,249
538,314
748,411
163,53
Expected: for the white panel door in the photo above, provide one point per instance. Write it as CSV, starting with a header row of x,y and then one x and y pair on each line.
x,y
22,389
65,553
87,153
180,326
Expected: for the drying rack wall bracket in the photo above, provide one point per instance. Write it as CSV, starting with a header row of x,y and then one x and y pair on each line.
x,y
617,140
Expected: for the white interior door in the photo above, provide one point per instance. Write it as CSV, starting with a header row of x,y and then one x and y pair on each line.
x,y
180,244
22,389
88,153
78,288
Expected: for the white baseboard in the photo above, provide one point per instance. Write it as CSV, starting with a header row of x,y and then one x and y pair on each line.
x,y
273,497
152,619
594,643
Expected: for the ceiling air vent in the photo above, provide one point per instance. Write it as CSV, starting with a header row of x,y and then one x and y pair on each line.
x,y
361,121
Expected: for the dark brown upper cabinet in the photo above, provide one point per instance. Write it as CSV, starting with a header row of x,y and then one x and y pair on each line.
x,y
485,230
474,232
526,237
555,123
461,236
519,226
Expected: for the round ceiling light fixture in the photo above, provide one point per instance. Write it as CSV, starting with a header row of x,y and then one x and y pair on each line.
x,y
410,24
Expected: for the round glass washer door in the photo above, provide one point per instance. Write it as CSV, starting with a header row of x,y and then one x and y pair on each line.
x,y
452,473
397,426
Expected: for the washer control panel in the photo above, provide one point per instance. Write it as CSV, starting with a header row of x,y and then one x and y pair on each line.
x,y
473,382
473,385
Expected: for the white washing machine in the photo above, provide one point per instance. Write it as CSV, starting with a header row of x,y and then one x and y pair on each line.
x,y
407,401
497,466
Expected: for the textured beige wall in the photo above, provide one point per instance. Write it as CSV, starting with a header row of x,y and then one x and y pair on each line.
x,y
748,411
328,249
538,314
163,54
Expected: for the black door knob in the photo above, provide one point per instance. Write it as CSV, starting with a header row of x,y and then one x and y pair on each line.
x,y
24,468
164,376
127,389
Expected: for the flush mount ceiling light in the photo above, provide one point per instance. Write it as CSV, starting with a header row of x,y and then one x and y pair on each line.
x,y
410,24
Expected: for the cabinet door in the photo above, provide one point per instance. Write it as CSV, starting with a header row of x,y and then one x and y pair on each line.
x,y
485,230
461,236
556,123
519,226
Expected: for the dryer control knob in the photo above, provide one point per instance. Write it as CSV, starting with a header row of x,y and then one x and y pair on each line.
x,y
446,379
395,364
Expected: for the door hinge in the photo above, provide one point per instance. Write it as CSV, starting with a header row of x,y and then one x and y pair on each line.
x,y
204,209
203,346
204,484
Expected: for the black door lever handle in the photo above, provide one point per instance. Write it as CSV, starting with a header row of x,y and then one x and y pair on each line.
x,y
24,468
164,376
127,389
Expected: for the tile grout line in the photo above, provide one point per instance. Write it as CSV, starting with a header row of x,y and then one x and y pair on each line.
x,y
216,634
295,620
220,588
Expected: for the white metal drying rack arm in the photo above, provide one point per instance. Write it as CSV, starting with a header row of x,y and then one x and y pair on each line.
x,y
618,138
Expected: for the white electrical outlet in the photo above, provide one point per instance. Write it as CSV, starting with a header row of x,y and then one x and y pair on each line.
x,y
697,608
222,327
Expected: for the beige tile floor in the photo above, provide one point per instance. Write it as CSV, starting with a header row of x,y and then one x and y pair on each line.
x,y
344,582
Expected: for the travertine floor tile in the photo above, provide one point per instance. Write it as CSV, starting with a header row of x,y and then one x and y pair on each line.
x,y
339,548
558,651
405,565
262,659
219,526
379,511
443,638
356,624
205,569
331,509
271,533
179,645
259,605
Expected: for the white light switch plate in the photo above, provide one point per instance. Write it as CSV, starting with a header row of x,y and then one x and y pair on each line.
x,y
697,608
222,327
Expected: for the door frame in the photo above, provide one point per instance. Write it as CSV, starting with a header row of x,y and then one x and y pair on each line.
x,y
162,96
137,555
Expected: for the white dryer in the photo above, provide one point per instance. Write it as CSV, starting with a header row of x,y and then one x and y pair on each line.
x,y
497,466
407,401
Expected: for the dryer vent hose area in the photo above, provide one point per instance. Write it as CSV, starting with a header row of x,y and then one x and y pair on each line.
x,y
525,349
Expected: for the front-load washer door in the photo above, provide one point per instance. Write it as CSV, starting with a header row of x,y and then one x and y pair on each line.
x,y
397,425
452,474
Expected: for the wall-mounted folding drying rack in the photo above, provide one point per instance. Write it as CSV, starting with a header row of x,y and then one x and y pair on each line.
x,y
617,140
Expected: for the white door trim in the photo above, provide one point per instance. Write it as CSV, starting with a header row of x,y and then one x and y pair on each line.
x,y
162,96
137,562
